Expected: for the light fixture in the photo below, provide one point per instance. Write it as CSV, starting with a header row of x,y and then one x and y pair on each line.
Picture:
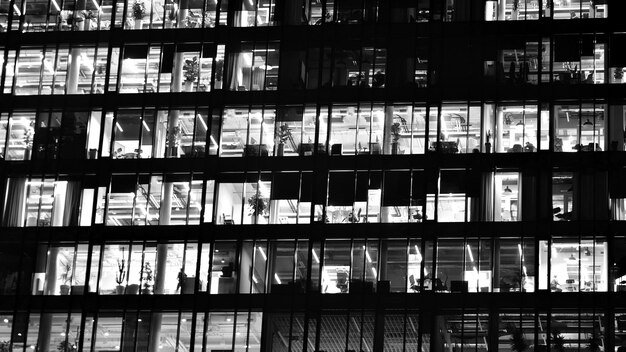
x,y
507,190
587,123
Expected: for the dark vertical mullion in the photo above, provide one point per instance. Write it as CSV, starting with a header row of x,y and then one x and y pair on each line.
x,y
128,258
549,263
15,67
161,63
141,271
151,16
309,270
124,15
10,22
99,275
552,116
81,331
48,12
40,202
203,197
267,277
3,66
238,255
93,67
187,208
195,130
184,281
42,69
120,68
211,255
146,71
94,331
106,200
107,74
435,267
552,45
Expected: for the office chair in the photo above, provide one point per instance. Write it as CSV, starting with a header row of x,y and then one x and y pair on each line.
x,y
414,286
342,281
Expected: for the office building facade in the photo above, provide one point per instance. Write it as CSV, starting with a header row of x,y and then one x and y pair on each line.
x,y
312,175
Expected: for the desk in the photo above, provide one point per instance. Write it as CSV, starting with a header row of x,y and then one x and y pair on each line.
x,y
226,285
308,149
255,150
445,147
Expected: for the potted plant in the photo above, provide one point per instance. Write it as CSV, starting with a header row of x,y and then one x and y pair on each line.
x,y
121,274
66,277
395,137
518,342
172,141
66,346
147,278
139,12
74,20
5,346
132,289
89,16
258,205
515,12
558,341
191,70
618,74
283,134
219,72
28,140
594,343
548,8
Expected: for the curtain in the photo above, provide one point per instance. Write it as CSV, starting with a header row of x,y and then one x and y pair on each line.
x,y
615,140
618,209
258,79
14,204
72,204
585,195
236,65
527,203
487,191
481,205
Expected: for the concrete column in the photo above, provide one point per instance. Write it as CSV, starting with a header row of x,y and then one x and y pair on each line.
x,y
51,271
45,324
45,328
183,12
73,71
501,9
173,116
165,217
159,288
